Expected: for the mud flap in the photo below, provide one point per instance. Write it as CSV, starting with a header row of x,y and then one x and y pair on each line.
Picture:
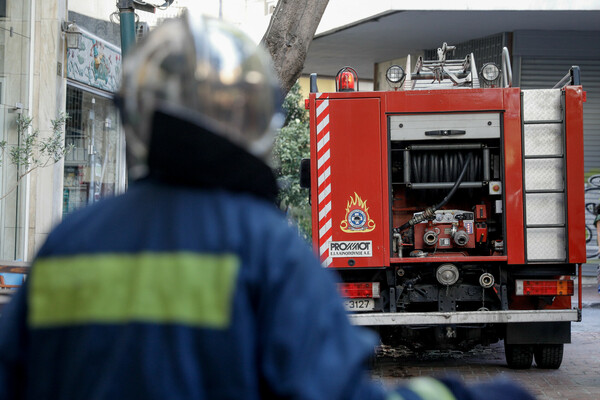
x,y
538,333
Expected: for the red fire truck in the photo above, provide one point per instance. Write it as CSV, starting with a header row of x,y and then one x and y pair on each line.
x,y
452,205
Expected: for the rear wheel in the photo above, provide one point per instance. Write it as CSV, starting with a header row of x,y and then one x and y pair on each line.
x,y
518,356
549,356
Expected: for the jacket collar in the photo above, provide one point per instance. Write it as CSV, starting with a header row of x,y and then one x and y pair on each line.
x,y
184,153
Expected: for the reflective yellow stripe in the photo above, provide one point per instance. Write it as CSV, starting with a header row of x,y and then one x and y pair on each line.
x,y
430,389
186,288
393,396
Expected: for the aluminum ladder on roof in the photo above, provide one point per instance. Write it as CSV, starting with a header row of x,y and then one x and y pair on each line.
x,y
442,73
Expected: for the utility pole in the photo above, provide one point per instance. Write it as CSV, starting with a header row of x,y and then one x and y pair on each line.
x,y
127,22
127,19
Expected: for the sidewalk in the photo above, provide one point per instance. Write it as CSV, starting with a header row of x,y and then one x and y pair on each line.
x,y
590,296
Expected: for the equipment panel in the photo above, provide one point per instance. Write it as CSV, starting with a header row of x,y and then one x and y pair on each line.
x,y
446,179
350,183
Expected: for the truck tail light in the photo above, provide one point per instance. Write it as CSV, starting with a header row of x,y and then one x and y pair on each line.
x,y
544,287
346,80
359,290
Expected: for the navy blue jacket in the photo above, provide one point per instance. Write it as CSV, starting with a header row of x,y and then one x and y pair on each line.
x,y
287,334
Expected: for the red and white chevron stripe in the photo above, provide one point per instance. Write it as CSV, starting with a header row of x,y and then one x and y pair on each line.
x,y
324,178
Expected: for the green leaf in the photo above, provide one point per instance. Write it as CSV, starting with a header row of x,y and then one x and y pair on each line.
x,y
292,145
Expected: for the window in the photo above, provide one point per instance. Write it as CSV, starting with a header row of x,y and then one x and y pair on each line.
x,y
95,167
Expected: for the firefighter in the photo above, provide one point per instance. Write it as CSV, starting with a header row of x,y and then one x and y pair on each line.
x,y
191,285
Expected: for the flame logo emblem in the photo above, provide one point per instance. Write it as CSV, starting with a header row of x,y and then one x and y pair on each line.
x,y
357,216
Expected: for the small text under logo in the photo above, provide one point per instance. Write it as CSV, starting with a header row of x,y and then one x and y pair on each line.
x,y
361,248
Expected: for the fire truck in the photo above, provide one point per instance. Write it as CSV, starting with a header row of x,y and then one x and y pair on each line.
x,y
452,205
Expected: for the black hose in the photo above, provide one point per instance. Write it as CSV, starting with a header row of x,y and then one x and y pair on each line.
x,y
472,169
415,168
451,167
444,167
456,185
435,167
428,213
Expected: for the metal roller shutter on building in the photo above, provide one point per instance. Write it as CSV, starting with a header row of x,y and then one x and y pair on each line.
x,y
539,73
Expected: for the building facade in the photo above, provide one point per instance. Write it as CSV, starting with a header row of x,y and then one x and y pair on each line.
x,y
41,78
31,86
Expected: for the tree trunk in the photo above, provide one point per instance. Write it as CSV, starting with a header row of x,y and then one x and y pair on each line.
x,y
288,37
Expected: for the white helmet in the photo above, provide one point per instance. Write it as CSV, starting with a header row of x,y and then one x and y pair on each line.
x,y
204,69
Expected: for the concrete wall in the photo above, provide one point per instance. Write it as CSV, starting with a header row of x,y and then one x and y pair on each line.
x,y
48,101
15,42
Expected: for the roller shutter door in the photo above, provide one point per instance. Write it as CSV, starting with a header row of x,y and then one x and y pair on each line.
x,y
538,73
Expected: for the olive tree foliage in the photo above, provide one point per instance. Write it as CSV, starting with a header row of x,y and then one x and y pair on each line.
x,y
292,145
33,152
291,29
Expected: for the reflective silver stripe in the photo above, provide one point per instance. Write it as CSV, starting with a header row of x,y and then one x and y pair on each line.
x,y
324,175
324,193
323,158
325,228
322,106
324,211
323,141
323,124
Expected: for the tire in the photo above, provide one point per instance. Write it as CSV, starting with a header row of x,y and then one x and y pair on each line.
x,y
549,356
518,356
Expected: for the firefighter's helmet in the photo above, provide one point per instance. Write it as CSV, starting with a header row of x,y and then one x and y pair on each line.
x,y
200,67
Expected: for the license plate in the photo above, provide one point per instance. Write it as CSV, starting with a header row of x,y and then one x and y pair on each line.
x,y
359,304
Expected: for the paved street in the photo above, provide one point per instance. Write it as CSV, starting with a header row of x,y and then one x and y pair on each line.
x,y
577,379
